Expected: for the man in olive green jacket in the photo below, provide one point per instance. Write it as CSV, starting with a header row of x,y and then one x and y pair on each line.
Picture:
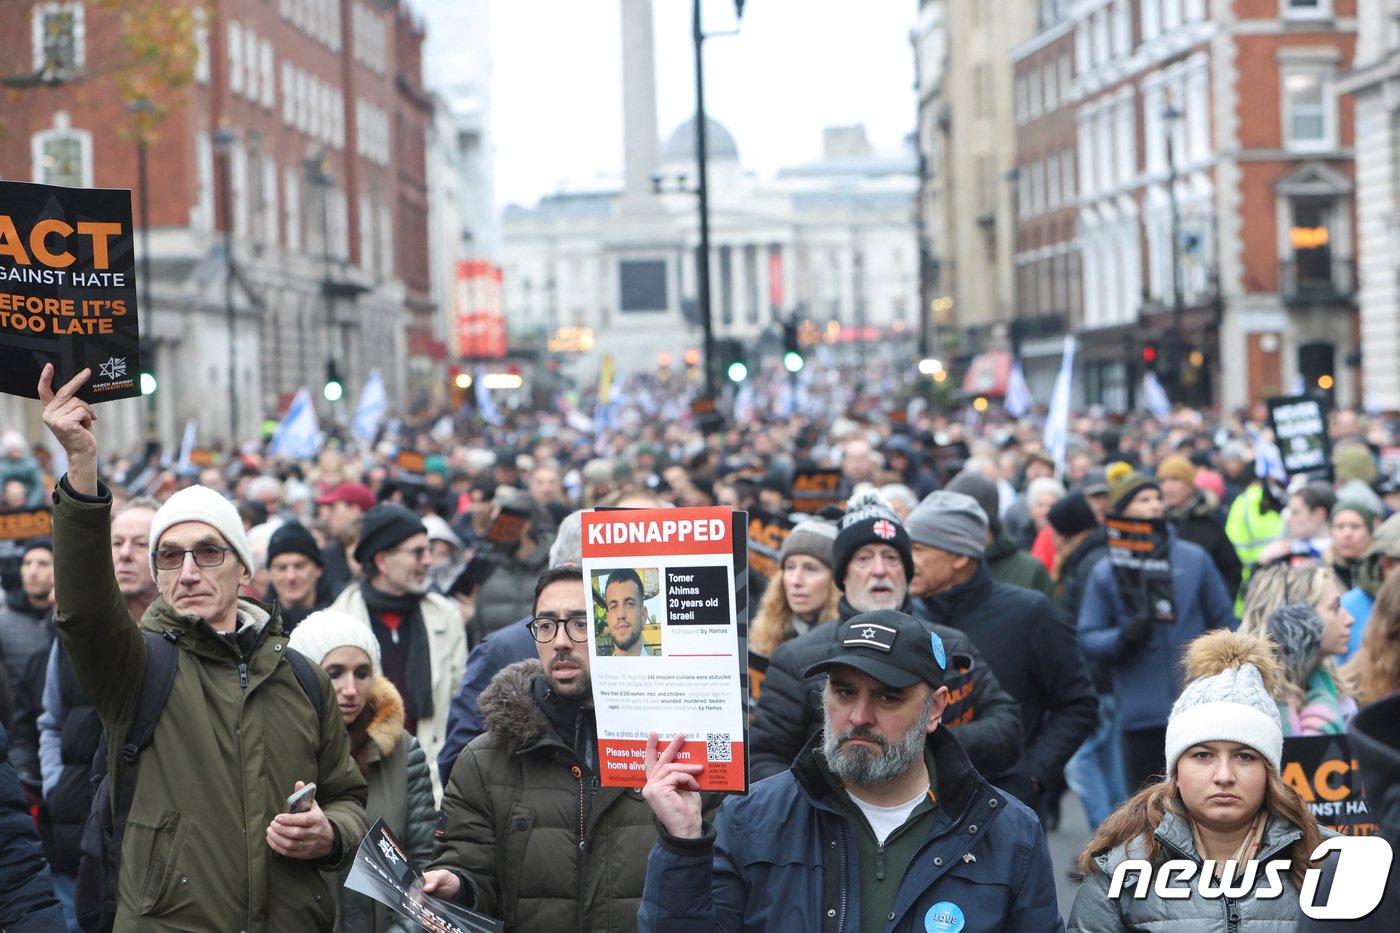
x,y
206,845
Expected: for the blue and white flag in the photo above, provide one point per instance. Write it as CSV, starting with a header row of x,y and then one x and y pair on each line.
x,y
186,465
1018,399
374,404
1268,459
1154,397
299,434
485,403
1056,437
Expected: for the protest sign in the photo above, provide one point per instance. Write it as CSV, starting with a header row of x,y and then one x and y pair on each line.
x,y
767,532
813,490
383,871
1326,776
17,526
1140,552
706,415
670,653
67,289
1300,430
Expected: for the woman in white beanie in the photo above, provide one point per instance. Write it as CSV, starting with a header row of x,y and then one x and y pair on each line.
x,y
391,759
1299,609
1222,801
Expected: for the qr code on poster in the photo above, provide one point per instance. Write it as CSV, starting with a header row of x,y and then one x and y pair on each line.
x,y
717,747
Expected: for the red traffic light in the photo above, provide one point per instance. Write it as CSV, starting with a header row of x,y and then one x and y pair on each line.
x,y
1149,354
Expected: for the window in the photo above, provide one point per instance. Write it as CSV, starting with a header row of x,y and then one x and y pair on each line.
x,y
292,208
269,87
1052,92
57,32
202,213
62,155
1151,18
269,206
250,60
201,45
366,234
1310,240
1034,99
1307,9
289,107
1066,75
235,57
1309,114
1122,29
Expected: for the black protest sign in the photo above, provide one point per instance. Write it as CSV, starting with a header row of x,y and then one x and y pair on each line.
x,y
1140,552
813,490
706,415
1321,769
1300,431
68,290
17,527
767,532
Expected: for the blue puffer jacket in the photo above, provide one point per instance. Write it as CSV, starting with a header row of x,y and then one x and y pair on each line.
x,y
1147,676
784,858
27,903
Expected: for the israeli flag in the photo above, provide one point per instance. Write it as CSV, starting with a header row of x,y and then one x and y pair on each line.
x,y
485,403
1056,437
371,409
1018,399
299,434
1154,397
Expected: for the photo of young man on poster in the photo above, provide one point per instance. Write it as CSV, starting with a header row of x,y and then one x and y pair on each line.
x,y
626,614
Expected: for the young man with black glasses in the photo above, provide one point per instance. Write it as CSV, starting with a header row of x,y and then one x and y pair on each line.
x,y
529,834
206,844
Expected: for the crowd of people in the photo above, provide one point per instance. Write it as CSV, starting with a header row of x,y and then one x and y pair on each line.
x,y
934,664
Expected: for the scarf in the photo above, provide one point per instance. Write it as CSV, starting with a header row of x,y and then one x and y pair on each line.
x,y
1324,711
1249,846
417,688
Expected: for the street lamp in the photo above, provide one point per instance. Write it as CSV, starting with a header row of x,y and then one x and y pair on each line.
x,y
224,140
702,285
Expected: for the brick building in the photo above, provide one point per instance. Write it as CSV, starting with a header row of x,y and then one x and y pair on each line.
x,y
1215,164
300,146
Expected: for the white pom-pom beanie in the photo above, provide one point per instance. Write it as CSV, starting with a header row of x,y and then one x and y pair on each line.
x,y
202,504
1231,706
328,629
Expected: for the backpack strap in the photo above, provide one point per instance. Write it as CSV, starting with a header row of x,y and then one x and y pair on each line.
x,y
306,676
162,660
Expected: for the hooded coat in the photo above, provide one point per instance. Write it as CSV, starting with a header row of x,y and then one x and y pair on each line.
x,y
401,792
235,736
534,837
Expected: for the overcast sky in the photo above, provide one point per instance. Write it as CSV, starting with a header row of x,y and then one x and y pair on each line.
x,y
795,67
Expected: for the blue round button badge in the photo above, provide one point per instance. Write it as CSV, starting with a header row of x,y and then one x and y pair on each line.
x,y
944,917
939,654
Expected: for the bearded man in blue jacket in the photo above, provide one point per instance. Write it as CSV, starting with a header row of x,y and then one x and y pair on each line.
x,y
881,823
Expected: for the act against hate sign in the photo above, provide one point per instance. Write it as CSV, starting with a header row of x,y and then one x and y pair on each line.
x,y
666,653
67,289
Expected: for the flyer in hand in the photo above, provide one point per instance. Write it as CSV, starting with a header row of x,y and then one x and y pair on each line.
x,y
669,652
384,872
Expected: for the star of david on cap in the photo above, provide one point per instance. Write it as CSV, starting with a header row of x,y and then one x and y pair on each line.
x,y
892,647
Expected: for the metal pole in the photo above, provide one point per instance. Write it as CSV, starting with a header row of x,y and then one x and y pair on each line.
x,y
228,295
702,259
1177,341
146,309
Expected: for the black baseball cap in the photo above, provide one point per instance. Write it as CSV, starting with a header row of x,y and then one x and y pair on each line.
x,y
891,646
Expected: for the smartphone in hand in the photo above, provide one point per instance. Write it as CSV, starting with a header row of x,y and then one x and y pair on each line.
x,y
300,802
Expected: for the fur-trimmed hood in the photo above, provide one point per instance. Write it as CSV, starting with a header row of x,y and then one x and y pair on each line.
x,y
508,707
385,729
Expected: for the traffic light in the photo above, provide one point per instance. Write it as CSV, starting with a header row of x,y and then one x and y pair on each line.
x,y
1149,354
793,360
148,381
334,388
732,360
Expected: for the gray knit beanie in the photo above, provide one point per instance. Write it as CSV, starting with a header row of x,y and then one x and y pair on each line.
x,y
949,521
1296,631
983,490
813,537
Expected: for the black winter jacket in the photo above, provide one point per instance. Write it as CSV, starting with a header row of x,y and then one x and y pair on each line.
x,y
27,904
1199,522
1074,579
987,718
67,804
1034,651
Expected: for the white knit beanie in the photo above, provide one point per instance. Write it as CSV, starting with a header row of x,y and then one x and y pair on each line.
x,y
328,629
1227,699
202,504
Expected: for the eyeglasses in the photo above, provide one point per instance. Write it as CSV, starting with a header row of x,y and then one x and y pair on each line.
x,y
546,628
417,553
206,555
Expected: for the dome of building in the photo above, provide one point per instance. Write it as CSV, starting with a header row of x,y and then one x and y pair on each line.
x,y
719,143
